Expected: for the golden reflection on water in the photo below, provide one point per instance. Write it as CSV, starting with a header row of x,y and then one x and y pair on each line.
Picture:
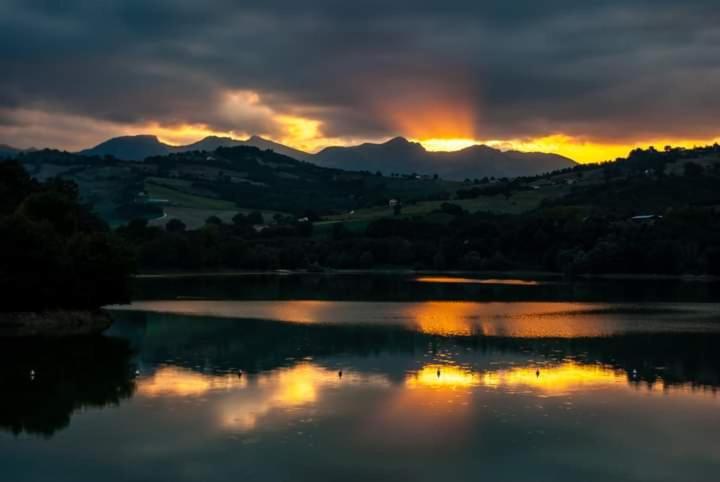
x,y
288,388
447,318
555,379
523,320
478,281
305,311
444,318
441,394
548,379
438,376
171,381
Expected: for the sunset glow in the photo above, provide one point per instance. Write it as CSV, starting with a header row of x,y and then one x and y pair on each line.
x,y
444,124
447,145
579,149
178,135
307,135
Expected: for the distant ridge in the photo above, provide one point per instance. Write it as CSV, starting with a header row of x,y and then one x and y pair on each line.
x,y
398,155
402,156
7,151
129,148
140,147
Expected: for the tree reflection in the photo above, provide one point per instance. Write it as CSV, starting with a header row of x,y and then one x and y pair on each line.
x,y
255,346
44,381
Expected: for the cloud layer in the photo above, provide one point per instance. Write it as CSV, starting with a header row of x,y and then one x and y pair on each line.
x,y
604,70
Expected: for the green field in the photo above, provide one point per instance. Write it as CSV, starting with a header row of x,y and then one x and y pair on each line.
x,y
195,218
183,199
519,202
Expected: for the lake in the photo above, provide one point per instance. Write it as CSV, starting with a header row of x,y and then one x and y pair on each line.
x,y
374,378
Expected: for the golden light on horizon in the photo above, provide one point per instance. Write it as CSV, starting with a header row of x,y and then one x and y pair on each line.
x,y
446,145
178,135
424,110
579,149
439,122
305,134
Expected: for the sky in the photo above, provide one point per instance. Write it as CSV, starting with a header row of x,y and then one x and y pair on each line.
x,y
589,79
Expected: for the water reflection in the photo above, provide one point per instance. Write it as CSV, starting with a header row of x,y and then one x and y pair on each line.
x,y
193,397
225,347
478,281
171,381
286,388
558,379
547,379
442,377
464,318
389,287
44,382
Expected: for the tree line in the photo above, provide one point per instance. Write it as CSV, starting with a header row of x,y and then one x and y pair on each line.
x,y
54,252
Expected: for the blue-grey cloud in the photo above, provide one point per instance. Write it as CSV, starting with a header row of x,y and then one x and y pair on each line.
x,y
615,69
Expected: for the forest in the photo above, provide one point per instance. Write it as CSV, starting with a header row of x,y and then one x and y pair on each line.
x,y
654,212
54,252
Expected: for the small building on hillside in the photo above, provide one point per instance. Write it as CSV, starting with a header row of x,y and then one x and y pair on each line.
x,y
646,218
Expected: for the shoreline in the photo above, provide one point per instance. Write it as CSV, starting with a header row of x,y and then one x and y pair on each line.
x,y
520,274
53,323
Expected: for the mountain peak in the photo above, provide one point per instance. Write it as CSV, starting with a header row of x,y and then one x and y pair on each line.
x,y
137,137
479,148
400,155
400,141
132,148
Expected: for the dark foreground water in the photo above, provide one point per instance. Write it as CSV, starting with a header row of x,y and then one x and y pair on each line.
x,y
374,379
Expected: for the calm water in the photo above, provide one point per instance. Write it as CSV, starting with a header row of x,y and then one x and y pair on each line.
x,y
374,379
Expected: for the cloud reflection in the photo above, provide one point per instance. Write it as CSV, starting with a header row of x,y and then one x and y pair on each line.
x,y
557,379
299,386
546,379
457,318
171,381
479,281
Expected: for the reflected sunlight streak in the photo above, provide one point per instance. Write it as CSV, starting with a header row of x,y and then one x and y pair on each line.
x,y
488,281
555,379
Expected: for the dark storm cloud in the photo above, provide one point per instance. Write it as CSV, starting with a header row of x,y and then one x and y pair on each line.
x,y
605,69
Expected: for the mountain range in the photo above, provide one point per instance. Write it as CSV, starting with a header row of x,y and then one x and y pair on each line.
x,y
138,148
402,156
7,151
397,155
